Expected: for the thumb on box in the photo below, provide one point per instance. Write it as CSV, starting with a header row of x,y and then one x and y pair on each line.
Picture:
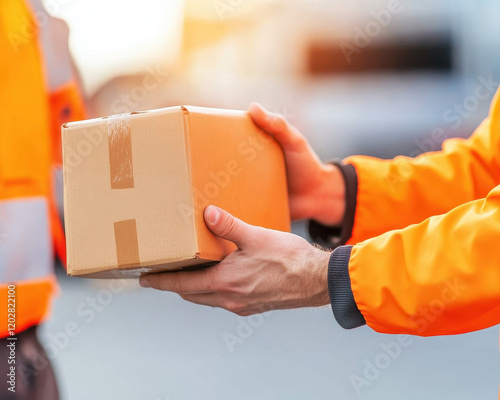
x,y
226,226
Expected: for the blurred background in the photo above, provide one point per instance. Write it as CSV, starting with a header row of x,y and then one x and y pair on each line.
x,y
379,77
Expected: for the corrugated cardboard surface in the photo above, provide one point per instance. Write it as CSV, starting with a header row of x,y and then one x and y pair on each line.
x,y
161,179
136,186
238,167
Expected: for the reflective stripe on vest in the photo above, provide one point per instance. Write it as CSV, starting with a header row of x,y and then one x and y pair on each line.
x,y
25,245
53,37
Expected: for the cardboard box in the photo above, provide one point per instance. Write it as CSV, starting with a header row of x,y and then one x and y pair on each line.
x,y
136,186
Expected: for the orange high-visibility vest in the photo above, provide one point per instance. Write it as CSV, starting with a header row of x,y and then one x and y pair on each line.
x,y
32,107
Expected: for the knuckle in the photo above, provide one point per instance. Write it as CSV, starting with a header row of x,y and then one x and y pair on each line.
x,y
214,286
299,141
235,307
154,283
214,283
177,283
229,226
224,282
245,313
226,288
278,123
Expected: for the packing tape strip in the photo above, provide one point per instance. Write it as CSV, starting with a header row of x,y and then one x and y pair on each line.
x,y
122,177
120,152
127,247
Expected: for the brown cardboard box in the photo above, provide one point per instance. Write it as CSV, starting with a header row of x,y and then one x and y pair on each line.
x,y
136,185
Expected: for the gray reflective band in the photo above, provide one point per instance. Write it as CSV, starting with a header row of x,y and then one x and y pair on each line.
x,y
53,41
58,190
25,244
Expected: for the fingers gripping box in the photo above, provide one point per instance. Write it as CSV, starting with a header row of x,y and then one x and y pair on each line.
x,y
136,186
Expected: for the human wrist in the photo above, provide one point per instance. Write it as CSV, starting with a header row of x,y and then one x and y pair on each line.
x,y
330,198
332,235
319,295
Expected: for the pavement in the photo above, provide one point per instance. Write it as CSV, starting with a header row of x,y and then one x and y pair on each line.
x,y
116,340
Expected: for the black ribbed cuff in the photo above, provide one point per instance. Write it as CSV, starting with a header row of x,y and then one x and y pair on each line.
x,y
344,307
333,236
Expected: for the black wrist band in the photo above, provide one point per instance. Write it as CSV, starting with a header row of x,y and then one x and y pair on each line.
x,y
334,236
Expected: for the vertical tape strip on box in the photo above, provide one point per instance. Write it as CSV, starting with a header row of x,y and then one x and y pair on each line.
x,y
122,177
120,152
127,249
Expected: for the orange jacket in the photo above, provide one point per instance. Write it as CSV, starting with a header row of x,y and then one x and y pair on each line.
x,y
30,105
425,259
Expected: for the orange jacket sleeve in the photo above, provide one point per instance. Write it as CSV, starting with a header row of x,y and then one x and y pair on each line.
x,y
434,267
392,194
441,276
